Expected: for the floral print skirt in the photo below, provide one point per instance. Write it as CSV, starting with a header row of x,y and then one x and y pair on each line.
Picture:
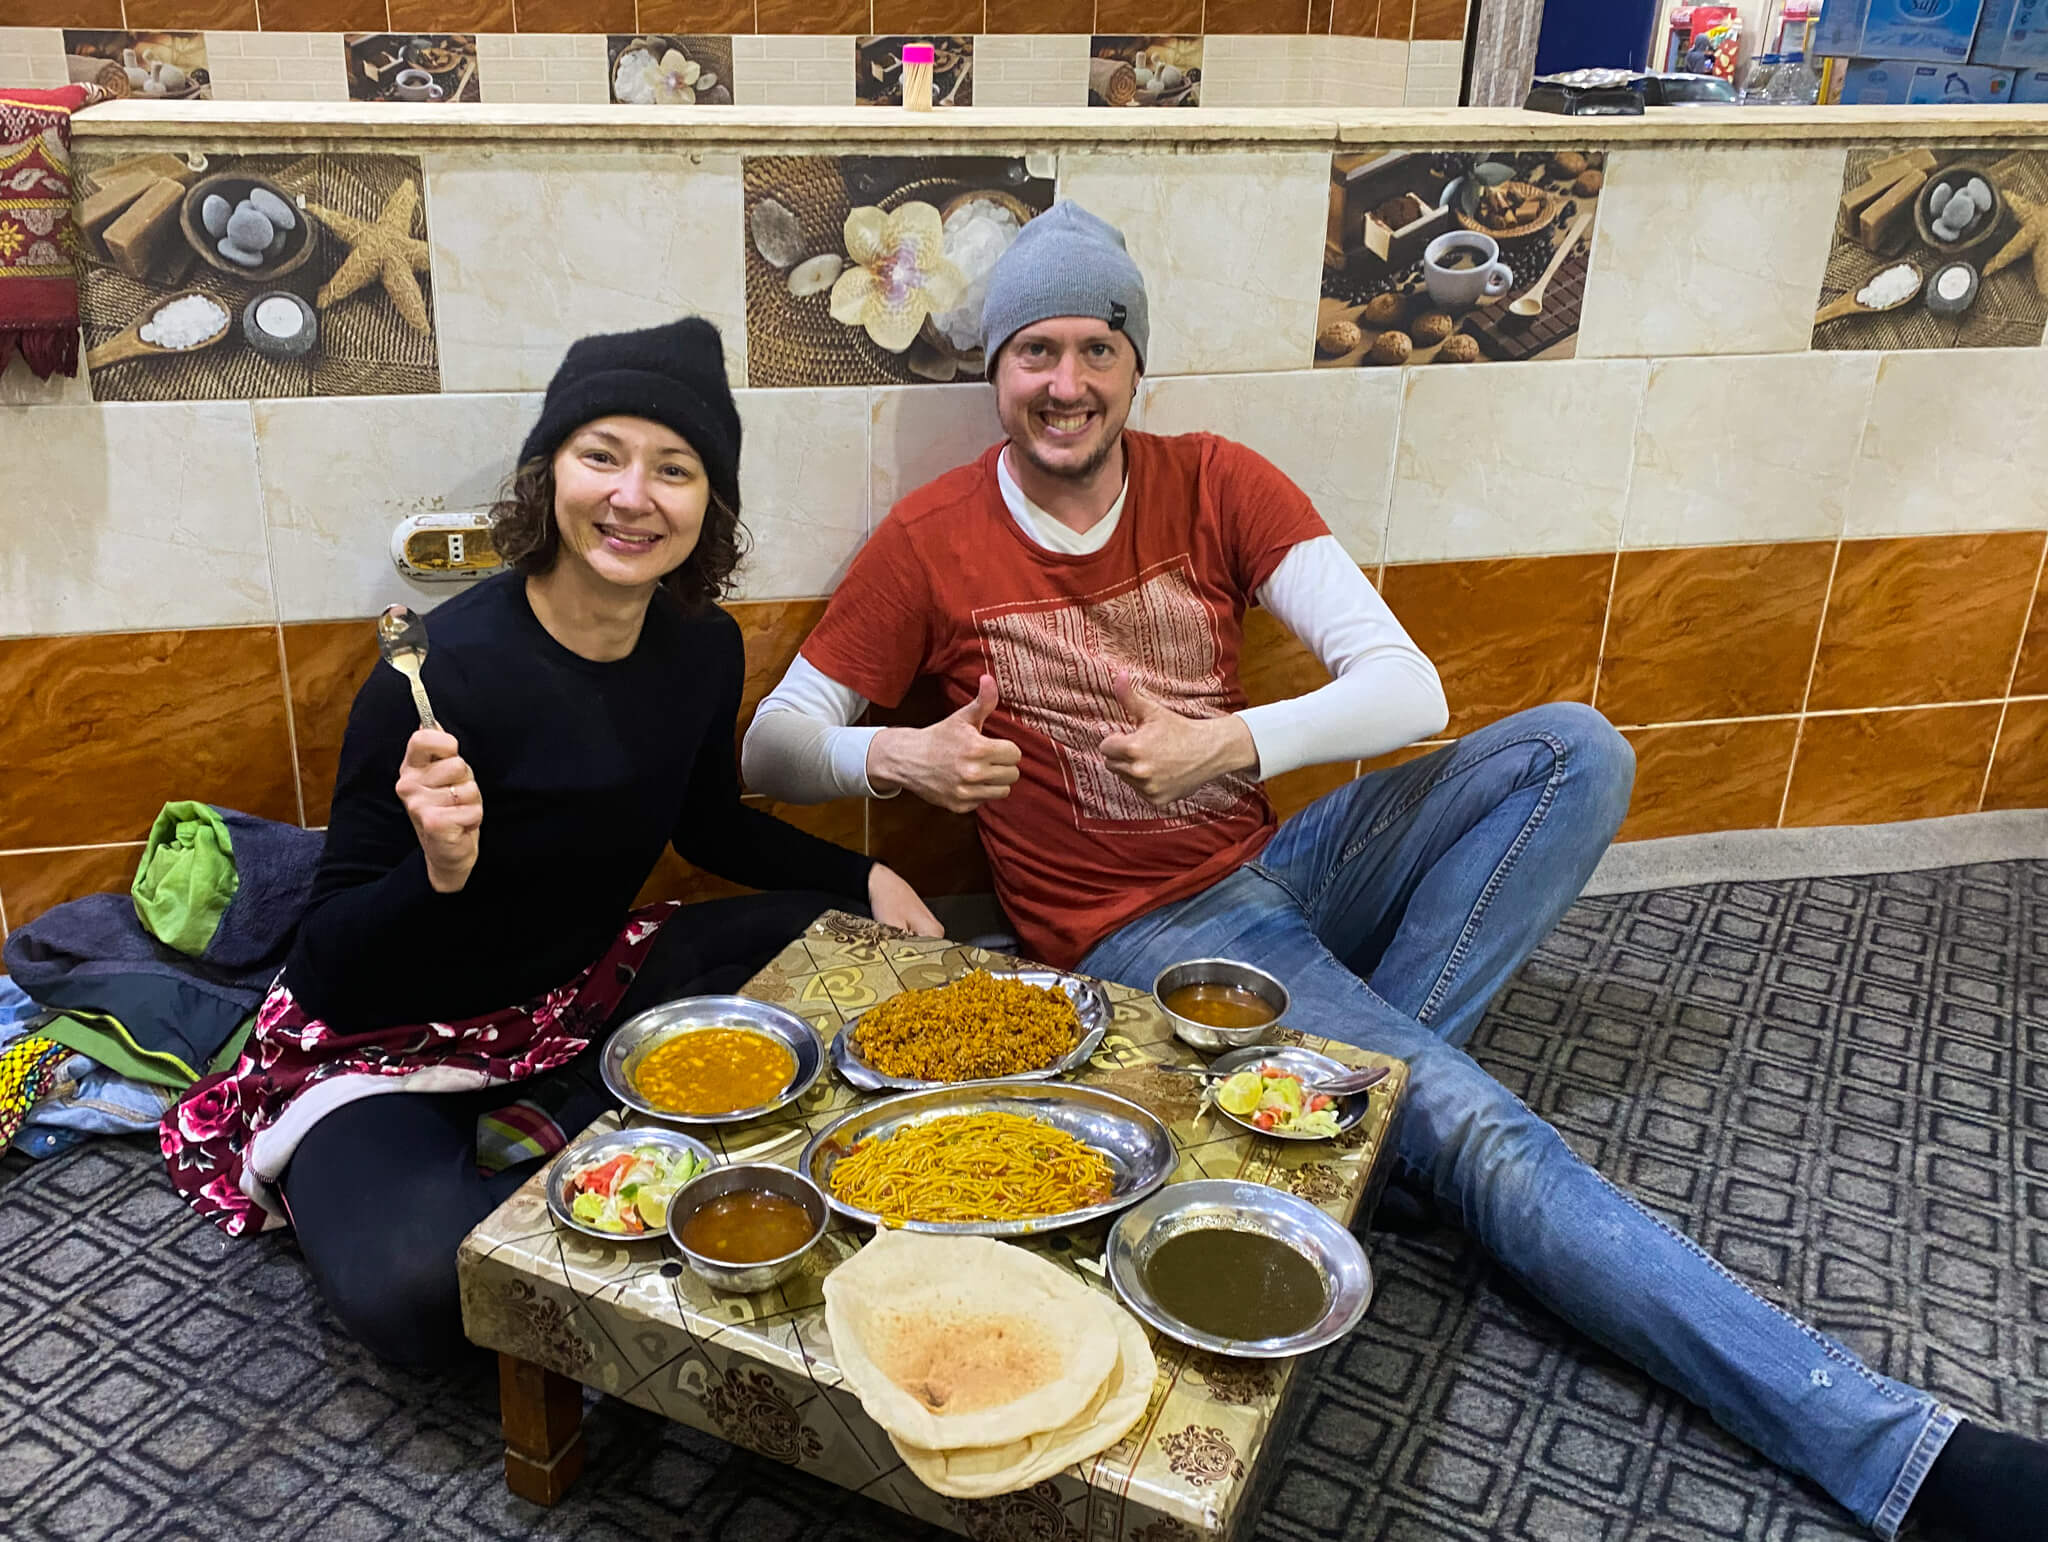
x,y
229,1140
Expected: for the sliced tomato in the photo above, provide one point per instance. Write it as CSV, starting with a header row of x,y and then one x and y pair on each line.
x,y
1319,1101
1266,1118
602,1180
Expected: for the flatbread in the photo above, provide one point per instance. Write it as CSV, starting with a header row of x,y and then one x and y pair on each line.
x,y
966,1341
979,1472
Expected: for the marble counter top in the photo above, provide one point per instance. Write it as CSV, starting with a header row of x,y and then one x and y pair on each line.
x,y
338,125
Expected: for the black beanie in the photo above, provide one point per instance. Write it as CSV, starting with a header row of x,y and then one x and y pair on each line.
x,y
672,375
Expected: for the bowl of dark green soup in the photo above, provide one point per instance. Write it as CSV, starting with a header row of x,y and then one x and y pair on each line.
x,y
1239,1268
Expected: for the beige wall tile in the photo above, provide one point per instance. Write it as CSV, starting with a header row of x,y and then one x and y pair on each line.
x,y
339,474
1752,448
803,489
277,66
543,67
1031,69
1332,430
1513,460
136,516
1259,70
919,432
1953,444
1710,250
1231,246
535,250
793,71
33,56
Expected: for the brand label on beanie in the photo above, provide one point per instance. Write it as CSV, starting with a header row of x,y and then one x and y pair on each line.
x,y
1117,313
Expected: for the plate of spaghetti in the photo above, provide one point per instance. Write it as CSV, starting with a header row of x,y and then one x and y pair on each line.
x,y
988,1025
990,1159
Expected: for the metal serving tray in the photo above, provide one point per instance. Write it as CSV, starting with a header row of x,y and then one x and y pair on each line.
x,y
1140,1151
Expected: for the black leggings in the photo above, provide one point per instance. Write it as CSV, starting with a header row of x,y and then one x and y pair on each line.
x,y
383,1190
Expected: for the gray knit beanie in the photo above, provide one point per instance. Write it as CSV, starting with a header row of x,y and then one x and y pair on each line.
x,y
1066,262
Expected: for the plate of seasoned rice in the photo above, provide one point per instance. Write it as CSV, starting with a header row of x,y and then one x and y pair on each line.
x,y
988,1025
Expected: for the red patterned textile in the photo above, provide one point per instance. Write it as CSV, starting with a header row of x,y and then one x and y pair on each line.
x,y
38,241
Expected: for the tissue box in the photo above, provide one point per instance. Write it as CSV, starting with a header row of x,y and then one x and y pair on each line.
x,y
2013,33
1937,31
1869,81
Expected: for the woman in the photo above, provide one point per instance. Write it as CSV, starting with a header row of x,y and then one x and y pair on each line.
x,y
470,927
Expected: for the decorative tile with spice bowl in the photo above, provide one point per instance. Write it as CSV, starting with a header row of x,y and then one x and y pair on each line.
x,y
246,226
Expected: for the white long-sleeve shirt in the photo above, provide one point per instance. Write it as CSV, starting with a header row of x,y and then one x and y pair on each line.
x,y
803,746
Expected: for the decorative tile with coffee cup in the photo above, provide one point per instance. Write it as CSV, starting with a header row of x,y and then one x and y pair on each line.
x,y
1464,267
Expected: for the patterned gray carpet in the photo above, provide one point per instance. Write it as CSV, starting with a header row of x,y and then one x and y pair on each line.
x,y
1841,1085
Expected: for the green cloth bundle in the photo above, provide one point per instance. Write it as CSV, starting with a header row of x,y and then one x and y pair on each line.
x,y
186,879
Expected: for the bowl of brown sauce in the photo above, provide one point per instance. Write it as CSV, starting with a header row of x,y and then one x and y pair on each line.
x,y
747,1227
1219,1003
1239,1268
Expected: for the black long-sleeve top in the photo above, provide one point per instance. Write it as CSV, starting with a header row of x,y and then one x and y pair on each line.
x,y
586,770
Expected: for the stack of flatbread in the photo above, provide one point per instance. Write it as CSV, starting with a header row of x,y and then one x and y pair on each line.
x,y
990,1367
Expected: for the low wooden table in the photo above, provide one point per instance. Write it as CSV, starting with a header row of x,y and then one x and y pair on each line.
x,y
628,1319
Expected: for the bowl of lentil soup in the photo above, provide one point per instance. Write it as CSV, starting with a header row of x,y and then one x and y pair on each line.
x,y
711,1060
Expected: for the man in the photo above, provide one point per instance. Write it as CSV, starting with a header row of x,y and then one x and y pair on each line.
x,y
1079,591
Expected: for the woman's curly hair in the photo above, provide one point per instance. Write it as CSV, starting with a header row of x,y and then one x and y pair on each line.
x,y
524,530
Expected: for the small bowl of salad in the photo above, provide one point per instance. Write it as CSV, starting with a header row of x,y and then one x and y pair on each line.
x,y
1270,1090
617,1184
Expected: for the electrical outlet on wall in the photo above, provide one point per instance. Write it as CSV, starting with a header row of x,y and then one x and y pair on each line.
x,y
433,547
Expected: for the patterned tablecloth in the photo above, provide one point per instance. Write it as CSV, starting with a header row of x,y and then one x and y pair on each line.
x,y
627,1319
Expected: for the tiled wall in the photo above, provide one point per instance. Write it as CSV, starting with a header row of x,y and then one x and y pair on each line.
x,y
1257,53
1807,585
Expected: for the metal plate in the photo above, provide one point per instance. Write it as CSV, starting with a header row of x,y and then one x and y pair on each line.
x,y
1140,1151
632,1040
602,1147
1338,1258
1090,1005
1304,1063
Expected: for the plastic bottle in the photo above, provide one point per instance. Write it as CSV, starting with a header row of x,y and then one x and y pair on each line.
x,y
1756,80
1802,86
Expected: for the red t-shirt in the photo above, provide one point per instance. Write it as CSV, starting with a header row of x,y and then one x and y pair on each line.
x,y
950,586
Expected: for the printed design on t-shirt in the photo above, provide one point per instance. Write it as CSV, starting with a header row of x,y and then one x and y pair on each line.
x,y
1054,663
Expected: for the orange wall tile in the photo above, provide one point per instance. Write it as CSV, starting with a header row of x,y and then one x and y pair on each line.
x,y
1034,16
451,15
190,15
812,16
573,15
936,852
773,631
98,732
1355,18
64,13
843,822
1924,619
927,16
1868,767
715,17
1319,16
1444,19
1708,776
1395,19
1255,16
324,15
326,663
1274,665
1505,635
1712,631
2019,766
2032,677
1296,790
1148,16
33,881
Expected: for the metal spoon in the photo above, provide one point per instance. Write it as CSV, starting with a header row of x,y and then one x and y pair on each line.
x,y
402,640
1335,1087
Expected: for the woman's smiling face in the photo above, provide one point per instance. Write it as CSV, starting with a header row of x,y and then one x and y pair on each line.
x,y
630,498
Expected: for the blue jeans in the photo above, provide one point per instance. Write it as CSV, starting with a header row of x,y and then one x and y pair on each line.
x,y
1393,910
